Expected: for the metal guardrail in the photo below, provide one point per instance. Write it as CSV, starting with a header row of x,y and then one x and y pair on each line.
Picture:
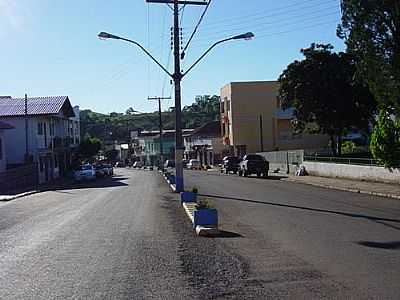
x,y
343,160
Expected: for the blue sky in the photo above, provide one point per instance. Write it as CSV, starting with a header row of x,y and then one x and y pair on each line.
x,y
50,47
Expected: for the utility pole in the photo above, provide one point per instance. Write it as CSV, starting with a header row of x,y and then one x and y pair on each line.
x,y
177,76
161,127
26,128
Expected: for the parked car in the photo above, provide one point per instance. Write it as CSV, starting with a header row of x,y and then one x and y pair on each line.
x,y
194,164
253,164
169,163
230,164
108,169
85,172
137,164
100,171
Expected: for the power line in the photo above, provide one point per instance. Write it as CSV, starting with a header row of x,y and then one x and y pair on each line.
x,y
267,13
283,18
282,23
195,29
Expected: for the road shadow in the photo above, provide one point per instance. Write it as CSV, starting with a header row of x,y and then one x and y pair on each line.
x,y
385,245
318,210
106,182
227,235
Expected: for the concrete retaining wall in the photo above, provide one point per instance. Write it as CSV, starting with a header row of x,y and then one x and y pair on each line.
x,y
368,173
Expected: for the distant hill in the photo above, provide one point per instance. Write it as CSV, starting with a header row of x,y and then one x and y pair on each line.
x,y
116,126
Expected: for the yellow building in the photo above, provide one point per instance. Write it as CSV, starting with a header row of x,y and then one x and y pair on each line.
x,y
252,120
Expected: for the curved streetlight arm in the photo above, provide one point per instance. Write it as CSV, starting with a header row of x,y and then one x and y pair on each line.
x,y
148,54
204,54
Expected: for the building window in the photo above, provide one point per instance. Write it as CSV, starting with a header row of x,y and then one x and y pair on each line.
x,y
40,129
1,150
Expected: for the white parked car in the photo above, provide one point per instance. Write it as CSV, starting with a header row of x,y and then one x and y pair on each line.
x,y
194,164
85,172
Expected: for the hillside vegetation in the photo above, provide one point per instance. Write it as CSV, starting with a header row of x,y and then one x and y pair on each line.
x,y
116,126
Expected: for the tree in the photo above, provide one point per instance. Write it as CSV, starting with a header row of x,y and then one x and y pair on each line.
x,y
89,147
371,30
322,90
385,140
130,111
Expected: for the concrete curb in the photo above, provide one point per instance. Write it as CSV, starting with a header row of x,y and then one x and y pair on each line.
x,y
392,196
13,197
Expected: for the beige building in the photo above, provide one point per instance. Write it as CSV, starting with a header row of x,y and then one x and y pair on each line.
x,y
252,120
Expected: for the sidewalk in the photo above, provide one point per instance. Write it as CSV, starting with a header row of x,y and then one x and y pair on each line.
x,y
57,183
363,187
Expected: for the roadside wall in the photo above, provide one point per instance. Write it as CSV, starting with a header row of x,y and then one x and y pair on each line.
x,y
368,173
281,159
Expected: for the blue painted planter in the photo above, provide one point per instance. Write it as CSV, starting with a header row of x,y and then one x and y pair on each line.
x,y
171,179
205,217
187,197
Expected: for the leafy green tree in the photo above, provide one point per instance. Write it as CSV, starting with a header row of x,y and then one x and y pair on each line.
x,y
89,147
322,90
385,140
371,30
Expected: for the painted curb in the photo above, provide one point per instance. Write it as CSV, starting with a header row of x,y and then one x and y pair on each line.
x,y
9,198
392,196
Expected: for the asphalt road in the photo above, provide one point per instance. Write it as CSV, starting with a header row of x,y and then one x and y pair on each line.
x,y
300,241
128,238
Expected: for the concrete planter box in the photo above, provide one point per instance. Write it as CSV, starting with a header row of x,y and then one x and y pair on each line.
x,y
205,217
187,197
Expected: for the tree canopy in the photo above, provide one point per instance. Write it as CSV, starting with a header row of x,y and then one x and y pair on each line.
x,y
323,91
89,147
371,30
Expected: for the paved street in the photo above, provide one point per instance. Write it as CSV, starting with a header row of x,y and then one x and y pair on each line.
x,y
304,241
128,238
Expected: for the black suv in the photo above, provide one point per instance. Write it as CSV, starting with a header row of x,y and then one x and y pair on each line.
x,y
253,164
230,164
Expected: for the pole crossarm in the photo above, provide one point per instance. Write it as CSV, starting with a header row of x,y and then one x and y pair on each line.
x,y
179,2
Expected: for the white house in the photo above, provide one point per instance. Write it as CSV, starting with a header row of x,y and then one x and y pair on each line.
x,y
46,131
3,154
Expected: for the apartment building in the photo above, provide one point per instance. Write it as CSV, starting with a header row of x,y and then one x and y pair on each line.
x,y
252,120
46,131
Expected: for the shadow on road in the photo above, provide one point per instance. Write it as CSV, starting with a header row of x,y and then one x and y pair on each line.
x,y
352,215
107,182
387,245
227,234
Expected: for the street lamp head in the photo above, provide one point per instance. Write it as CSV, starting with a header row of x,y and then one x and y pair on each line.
x,y
245,36
104,35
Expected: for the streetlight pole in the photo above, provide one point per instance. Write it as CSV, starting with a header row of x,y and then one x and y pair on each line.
x,y
161,128
177,77
178,118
